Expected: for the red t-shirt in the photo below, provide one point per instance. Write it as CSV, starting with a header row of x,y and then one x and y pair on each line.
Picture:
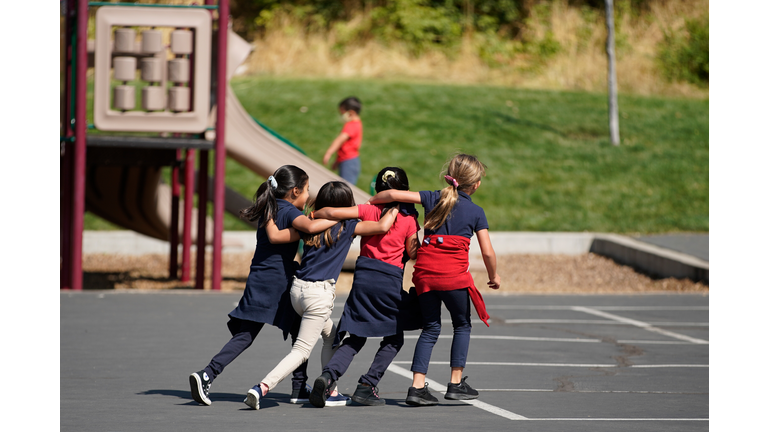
x,y
351,147
387,247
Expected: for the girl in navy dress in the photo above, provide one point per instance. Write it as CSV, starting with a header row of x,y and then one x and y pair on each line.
x,y
374,307
441,273
314,287
278,206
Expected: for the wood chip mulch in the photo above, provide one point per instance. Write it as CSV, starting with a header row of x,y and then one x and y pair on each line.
x,y
520,274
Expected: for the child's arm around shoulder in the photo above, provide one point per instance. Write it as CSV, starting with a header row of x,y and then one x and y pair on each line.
x,y
381,226
312,226
337,213
489,258
391,195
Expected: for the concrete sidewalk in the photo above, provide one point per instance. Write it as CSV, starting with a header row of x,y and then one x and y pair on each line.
x,y
680,256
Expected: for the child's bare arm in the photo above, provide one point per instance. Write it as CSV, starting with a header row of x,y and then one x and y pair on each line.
x,y
278,236
489,258
379,227
412,245
335,146
312,226
391,195
337,213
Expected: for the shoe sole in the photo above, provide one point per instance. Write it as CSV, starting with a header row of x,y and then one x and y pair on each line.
x,y
252,399
318,391
196,387
299,401
338,403
460,396
366,401
417,401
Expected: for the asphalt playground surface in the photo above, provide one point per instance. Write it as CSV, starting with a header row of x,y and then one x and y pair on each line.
x,y
547,363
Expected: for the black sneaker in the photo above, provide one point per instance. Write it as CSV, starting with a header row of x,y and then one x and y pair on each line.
x,y
367,395
200,385
420,397
461,391
322,389
301,395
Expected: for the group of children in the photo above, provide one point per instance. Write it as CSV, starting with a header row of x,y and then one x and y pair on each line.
x,y
298,298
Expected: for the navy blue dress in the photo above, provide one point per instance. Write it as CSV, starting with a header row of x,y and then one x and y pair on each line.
x,y
266,298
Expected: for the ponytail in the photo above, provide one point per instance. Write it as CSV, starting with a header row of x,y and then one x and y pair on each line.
x,y
462,173
277,186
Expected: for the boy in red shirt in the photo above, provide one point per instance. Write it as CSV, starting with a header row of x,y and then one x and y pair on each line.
x,y
347,144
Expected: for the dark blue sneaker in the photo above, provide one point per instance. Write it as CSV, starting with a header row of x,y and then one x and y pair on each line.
x,y
461,391
253,397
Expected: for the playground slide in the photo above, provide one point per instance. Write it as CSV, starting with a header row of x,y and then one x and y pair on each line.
x,y
136,198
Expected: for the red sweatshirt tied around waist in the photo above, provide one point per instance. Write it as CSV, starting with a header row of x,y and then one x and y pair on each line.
x,y
443,265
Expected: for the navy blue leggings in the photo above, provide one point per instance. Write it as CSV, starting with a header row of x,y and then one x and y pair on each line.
x,y
241,341
457,303
352,345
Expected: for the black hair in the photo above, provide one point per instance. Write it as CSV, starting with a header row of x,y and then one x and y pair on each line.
x,y
332,194
351,103
264,206
391,178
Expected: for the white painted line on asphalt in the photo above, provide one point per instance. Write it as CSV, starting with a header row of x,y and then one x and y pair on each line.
x,y
599,322
577,365
543,339
434,385
618,419
643,325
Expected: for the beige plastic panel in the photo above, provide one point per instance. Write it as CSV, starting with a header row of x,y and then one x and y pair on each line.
x,y
178,70
178,98
163,120
125,68
181,42
125,39
125,97
152,41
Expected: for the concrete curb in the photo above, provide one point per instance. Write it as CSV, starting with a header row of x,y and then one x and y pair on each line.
x,y
653,260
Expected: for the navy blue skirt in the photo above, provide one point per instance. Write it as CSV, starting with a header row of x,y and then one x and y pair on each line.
x,y
377,305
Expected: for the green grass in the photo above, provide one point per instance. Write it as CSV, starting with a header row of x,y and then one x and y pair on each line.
x,y
551,166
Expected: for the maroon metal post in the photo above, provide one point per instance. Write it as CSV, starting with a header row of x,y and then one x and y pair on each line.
x,y
202,209
173,261
78,192
189,192
220,157
66,179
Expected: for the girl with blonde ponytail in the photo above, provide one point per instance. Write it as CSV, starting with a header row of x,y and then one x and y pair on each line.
x,y
441,273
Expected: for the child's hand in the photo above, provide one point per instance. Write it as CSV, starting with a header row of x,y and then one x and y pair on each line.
x,y
495,282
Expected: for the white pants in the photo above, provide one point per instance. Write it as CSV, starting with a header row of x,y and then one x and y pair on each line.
x,y
314,302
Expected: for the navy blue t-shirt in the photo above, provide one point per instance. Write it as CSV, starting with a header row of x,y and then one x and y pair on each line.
x,y
324,263
465,219
286,213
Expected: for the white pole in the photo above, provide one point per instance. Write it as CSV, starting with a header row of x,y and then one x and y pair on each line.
x,y
613,98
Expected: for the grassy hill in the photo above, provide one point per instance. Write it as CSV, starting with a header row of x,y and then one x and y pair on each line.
x,y
551,166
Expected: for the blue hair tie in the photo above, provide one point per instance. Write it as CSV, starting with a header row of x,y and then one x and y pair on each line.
x,y
272,182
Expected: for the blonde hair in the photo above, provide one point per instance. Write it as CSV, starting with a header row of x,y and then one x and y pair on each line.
x,y
461,173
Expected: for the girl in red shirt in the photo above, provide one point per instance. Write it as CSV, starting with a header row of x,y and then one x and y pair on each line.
x,y
377,306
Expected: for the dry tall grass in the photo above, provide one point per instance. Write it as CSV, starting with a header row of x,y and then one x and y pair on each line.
x,y
286,49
